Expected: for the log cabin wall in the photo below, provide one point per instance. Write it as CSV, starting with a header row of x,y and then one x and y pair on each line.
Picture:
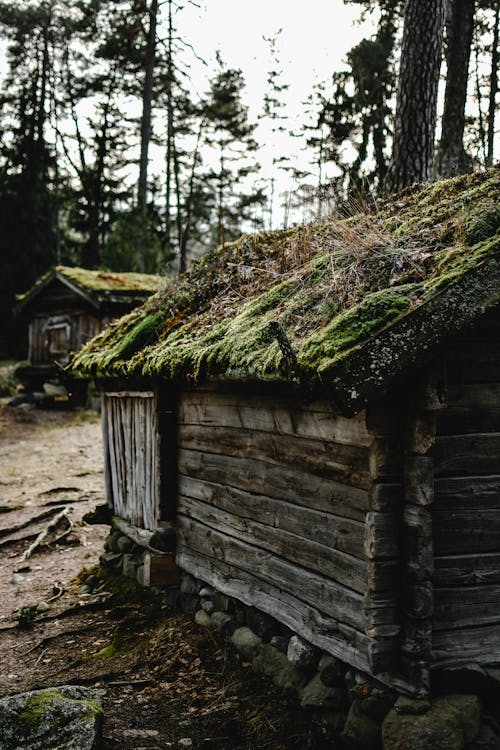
x,y
132,456
466,509
54,335
290,508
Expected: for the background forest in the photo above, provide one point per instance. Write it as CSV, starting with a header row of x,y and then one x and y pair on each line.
x,y
93,86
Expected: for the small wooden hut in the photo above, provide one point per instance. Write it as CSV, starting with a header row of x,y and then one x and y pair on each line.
x,y
317,413
68,306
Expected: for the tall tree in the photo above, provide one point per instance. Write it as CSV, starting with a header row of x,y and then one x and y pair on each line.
x,y
452,157
415,119
147,100
230,136
492,99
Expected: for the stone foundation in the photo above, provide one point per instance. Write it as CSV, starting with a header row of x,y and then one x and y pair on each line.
x,y
362,713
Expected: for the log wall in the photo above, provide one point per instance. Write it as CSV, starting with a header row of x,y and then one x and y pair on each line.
x,y
132,455
54,336
273,501
466,511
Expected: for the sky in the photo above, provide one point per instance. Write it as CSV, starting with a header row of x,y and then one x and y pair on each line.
x,y
313,42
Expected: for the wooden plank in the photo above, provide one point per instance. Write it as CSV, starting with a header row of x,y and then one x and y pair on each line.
x,y
470,606
474,395
463,493
419,480
452,648
346,464
381,536
466,531
330,597
418,544
421,432
317,420
108,482
475,362
295,486
312,555
467,454
464,570
462,420
386,458
333,531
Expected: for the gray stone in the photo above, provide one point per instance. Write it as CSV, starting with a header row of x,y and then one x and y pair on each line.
x,y
246,642
203,618
112,541
377,706
140,734
206,591
189,585
222,622
222,603
208,606
62,718
316,694
300,653
451,722
332,671
111,560
274,664
280,642
362,730
124,544
415,706
130,564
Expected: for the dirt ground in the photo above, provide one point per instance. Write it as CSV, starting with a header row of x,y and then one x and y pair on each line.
x,y
167,683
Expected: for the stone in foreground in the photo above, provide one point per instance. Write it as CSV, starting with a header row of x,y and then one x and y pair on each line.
x,y
62,718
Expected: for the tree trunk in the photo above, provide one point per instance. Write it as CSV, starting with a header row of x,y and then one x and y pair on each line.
x,y
415,121
493,89
147,98
452,159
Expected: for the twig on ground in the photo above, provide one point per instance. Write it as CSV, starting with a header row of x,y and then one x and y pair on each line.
x,y
43,534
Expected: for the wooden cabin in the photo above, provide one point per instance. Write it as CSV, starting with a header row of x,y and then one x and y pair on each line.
x,y
68,306
317,414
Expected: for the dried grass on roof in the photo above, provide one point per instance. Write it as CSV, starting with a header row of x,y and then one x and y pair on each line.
x,y
329,286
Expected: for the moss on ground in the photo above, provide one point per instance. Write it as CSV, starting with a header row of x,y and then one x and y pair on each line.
x,y
328,286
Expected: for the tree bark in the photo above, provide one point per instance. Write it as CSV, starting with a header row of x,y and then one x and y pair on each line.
x,y
415,122
493,88
452,158
147,98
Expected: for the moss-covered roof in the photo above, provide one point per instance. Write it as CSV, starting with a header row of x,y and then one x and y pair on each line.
x,y
340,304
97,284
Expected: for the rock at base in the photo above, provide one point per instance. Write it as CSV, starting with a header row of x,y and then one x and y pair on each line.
x,y
451,722
274,664
246,642
62,718
361,730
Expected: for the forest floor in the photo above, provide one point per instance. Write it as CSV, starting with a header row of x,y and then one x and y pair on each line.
x,y
166,682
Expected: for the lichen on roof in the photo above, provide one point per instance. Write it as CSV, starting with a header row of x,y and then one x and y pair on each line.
x,y
330,287
97,281
111,280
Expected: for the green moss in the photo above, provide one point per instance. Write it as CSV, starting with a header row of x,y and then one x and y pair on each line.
x,y
109,280
40,702
329,286
353,327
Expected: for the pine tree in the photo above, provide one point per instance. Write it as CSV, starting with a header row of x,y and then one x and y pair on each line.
x,y
452,157
415,119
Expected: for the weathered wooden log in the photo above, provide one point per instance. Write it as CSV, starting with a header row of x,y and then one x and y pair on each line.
x,y
455,647
381,536
456,493
466,570
459,455
343,463
418,550
466,531
386,497
468,606
386,458
330,597
310,554
317,420
293,485
419,480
